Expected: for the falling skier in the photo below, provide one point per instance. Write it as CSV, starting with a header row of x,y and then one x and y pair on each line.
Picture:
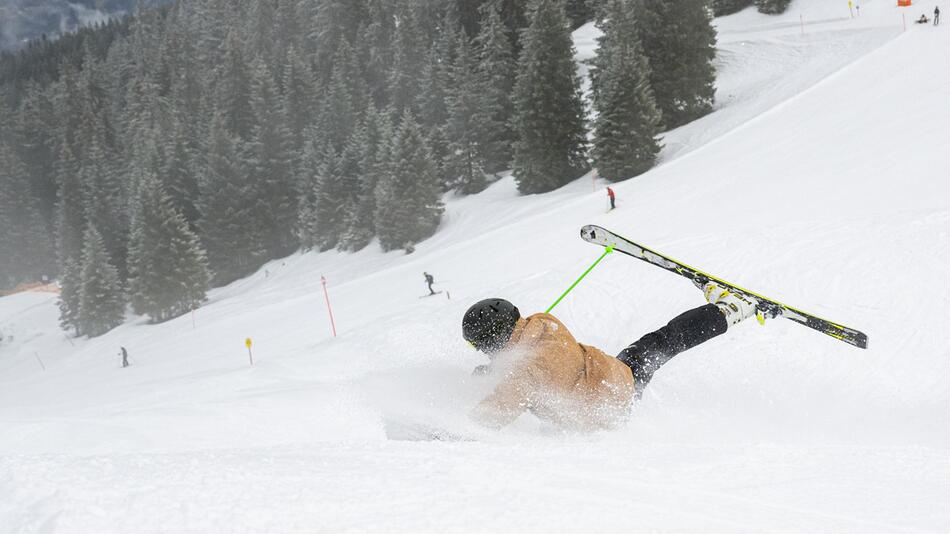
x,y
575,386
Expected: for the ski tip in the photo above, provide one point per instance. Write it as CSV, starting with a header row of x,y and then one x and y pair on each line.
x,y
861,341
590,232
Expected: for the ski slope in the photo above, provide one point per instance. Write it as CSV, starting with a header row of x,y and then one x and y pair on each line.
x,y
818,181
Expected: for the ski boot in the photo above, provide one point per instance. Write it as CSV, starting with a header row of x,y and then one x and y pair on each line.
x,y
735,307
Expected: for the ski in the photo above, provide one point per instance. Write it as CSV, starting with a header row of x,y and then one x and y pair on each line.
x,y
765,306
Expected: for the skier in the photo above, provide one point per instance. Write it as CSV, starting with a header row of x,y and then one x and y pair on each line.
x,y
923,19
613,197
125,357
936,15
429,280
547,372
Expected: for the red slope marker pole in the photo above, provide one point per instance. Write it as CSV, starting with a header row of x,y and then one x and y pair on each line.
x,y
326,295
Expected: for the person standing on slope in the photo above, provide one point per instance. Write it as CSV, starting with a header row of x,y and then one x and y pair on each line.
x,y
936,15
429,281
575,386
613,198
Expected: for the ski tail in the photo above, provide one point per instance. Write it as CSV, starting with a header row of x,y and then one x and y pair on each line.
x,y
765,306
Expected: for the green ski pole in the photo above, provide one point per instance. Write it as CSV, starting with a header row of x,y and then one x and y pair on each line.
x,y
589,269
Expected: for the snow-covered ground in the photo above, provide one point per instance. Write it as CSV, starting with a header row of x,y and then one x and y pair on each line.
x,y
818,181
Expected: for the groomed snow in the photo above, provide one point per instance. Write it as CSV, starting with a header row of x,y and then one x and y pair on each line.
x,y
819,181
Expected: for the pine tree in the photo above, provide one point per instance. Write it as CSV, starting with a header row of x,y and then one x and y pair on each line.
x,y
351,173
338,117
232,86
334,21
70,214
297,99
311,163
36,144
24,239
373,137
408,60
228,225
375,51
431,103
772,7
101,192
408,208
549,113
167,267
468,99
178,170
271,166
69,291
680,43
728,7
579,11
627,118
496,70
101,304
329,201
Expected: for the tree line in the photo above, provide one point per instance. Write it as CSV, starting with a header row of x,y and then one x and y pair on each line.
x,y
146,159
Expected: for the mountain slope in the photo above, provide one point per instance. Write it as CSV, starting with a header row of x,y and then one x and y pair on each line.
x,y
818,182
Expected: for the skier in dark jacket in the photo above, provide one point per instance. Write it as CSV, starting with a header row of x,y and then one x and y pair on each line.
x,y
936,15
547,372
429,281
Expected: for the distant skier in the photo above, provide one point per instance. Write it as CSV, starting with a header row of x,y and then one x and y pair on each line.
x,y
125,357
429,281
923,19
613,197
936,15
547,372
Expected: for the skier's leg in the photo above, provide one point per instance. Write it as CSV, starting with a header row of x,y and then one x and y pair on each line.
x,y
687,330
684,332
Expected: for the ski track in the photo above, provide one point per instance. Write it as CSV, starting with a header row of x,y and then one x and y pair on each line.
x,y
818,182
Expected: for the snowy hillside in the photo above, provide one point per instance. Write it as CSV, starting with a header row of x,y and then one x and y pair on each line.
x,y
819,181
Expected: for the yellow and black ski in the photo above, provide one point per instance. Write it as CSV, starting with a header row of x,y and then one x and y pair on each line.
x,y
765,306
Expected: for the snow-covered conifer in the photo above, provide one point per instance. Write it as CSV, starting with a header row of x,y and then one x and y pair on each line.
x,y
728,7
69,290
467,100
27,252
408,205
271,165
496,70
627,118
680,43
550,150
772,7
228,226
101,299
167,266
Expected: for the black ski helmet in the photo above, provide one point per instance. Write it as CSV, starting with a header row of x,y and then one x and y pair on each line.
x,y
488,324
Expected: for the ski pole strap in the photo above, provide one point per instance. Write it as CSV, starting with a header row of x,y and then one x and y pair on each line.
x,y
609,249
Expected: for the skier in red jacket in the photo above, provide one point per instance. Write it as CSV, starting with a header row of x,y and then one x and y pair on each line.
x,y
613,197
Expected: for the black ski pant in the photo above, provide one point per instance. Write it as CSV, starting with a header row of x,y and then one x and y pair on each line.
x,y
687,330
